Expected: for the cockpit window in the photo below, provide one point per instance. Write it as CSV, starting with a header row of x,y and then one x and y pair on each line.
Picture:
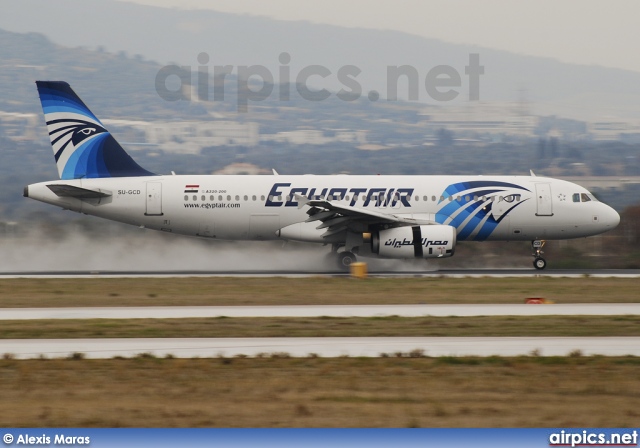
x,y
583,197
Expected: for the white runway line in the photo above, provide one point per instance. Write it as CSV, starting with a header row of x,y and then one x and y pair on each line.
x,y
459,273
325,347
177,312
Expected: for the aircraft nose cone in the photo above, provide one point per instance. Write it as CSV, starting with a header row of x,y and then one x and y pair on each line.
x,y
612,218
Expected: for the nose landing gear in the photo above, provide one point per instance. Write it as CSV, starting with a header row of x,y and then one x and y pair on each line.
x,y
539,262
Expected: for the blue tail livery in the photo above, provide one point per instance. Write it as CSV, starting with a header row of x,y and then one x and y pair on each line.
x,y
82,147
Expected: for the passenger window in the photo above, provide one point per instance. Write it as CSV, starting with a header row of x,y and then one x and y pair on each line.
x,y
433,198
585,197
576,197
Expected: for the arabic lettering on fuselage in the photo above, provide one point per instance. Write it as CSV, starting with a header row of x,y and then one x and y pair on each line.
x,y
395,243
283,194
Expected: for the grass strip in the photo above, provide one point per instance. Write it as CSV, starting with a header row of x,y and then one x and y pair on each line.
x,y
321,392
306,291
324,327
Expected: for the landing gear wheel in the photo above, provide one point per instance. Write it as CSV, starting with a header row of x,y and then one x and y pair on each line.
x,y
345,259
539,263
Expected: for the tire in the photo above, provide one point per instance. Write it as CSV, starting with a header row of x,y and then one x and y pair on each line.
x,y
539,263
345,259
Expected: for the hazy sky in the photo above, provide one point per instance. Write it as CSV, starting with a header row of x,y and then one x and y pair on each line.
x,y
578,31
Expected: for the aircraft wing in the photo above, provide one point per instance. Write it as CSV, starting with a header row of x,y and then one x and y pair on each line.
x,y
336,217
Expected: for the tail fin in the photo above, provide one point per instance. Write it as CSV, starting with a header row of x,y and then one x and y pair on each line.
x,y
82,147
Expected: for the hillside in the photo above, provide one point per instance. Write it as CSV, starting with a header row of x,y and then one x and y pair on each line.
x,y
165,35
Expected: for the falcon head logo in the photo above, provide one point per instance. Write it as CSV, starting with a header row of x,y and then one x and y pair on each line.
x,y
72,133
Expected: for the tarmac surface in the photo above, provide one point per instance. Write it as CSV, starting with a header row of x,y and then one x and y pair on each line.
x,y
325,347
177,312
498,273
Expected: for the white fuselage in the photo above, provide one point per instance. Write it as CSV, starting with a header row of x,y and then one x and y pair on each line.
x,y
257,207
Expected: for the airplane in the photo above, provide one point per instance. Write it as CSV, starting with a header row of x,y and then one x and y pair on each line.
x,y
398,217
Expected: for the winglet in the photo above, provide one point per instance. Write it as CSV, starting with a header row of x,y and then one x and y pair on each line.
x,y
302,200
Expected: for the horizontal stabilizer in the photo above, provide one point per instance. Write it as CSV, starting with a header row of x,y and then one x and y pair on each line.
x,y
69,191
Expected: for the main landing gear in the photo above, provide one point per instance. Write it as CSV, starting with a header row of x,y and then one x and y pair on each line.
x,y
539,263
342,259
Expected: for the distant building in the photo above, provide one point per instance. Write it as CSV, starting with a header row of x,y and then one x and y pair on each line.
x,y
317,136
242,168
482,118
190,136
614,130
298,137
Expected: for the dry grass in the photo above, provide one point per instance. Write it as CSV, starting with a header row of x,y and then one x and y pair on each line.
x,y
316,392
306,291
323,327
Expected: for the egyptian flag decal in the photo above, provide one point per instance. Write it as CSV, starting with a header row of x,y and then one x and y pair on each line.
x,y
191,188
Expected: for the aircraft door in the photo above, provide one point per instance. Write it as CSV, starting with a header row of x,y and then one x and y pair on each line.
x,y
543,200
154,199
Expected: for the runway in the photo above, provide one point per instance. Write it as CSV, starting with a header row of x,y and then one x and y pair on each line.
x,y
453,273
325,347
181,312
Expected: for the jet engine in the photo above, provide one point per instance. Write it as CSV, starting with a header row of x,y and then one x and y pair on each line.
x,y
430,241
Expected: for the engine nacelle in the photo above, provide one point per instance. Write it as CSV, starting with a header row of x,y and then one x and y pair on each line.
x,y
434,241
